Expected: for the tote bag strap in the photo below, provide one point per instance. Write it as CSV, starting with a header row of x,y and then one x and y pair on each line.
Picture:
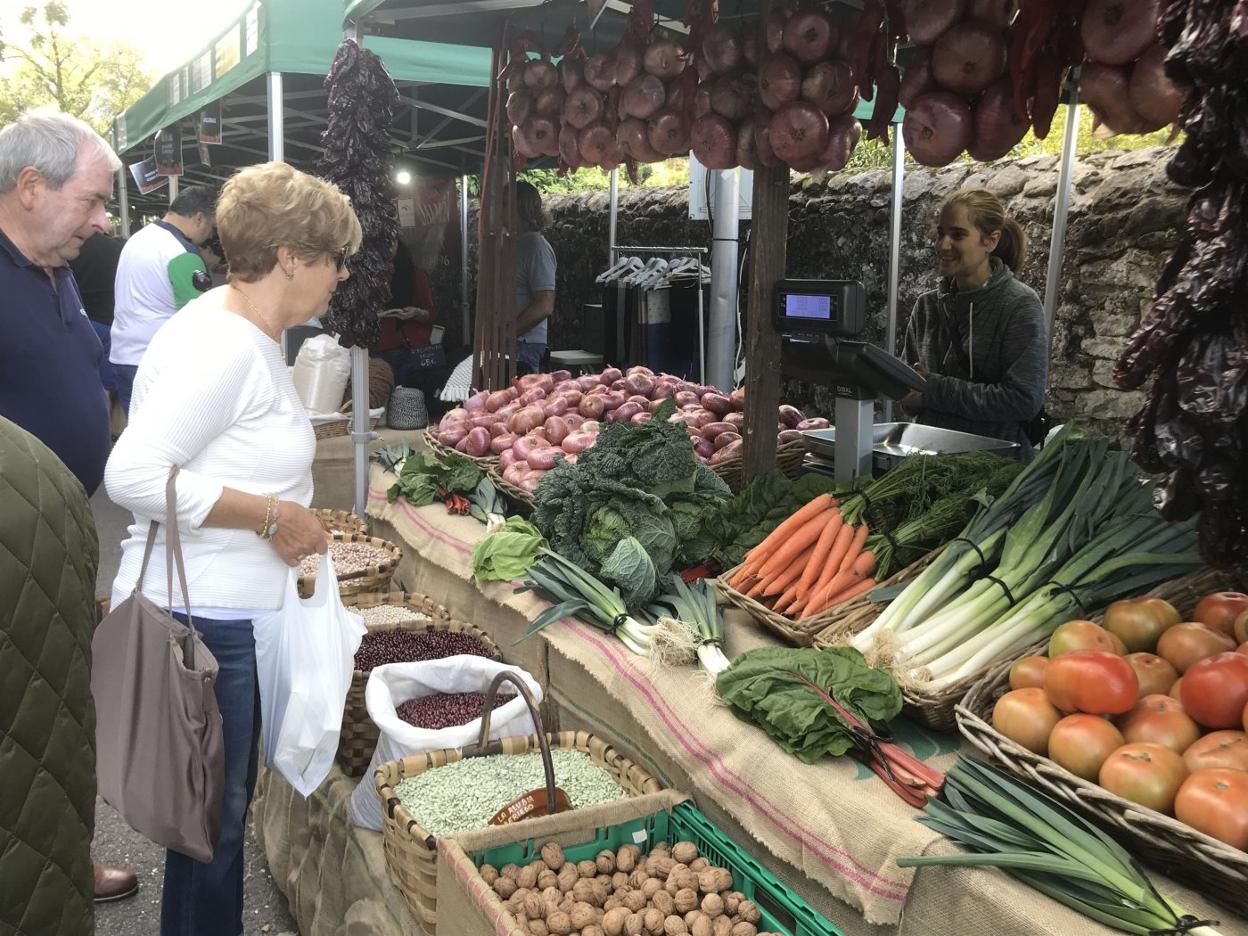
x,y
173,548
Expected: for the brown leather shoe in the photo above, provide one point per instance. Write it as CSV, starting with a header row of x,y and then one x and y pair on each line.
x,y
114,884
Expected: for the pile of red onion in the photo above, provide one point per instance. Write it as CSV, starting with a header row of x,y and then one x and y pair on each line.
x,y
545,417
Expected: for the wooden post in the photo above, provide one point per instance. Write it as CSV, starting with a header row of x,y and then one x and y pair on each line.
x,y
769,230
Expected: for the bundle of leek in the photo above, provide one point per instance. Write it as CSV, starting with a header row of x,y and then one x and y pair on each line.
x,y
1036,839
690,625
577,593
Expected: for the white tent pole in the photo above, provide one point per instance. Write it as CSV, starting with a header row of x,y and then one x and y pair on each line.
x,y
613,215
173,188
894,250
123,201
725,193
1061,209
277,128
465,301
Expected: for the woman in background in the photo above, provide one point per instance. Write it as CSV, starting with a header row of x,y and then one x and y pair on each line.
x,y
408,324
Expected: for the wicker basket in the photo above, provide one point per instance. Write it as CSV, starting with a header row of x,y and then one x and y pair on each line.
x,y
374,578
340,427
411,852
485,463
789,457
340,521
359,735
522,500
1217,870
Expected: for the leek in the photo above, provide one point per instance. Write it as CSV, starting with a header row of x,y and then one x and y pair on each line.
x,y
1031,836
691,626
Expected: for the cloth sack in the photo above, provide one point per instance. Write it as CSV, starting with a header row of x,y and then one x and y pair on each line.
x,y
320,374
160,761
305,656
391,685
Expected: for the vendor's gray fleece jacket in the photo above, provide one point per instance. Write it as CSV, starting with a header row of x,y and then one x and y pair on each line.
x,y
1004,342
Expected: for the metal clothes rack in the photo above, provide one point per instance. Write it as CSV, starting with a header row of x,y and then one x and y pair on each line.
x,y
699,252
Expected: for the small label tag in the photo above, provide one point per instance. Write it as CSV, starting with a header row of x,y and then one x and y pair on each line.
x,y
533,803
639,836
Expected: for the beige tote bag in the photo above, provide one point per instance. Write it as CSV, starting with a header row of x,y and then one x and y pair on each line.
x,y
159,755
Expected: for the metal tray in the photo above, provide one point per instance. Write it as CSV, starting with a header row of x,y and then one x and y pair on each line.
x,y
899,439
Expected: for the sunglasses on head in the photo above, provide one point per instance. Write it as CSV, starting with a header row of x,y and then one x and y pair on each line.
x,y
340,258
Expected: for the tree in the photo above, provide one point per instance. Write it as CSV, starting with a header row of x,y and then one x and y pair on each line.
x,y
49,66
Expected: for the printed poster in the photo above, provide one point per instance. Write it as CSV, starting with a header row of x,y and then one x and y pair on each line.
x,y
210,123
146,177
169,151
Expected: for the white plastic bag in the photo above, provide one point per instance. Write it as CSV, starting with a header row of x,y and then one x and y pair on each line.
x,y
391,685
322,369
305,655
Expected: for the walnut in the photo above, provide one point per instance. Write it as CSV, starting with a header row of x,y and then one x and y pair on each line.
x,y
650,887
685,852
559,923
534,907
732,901
547,879
601,892
635,901
583,891
613,921
633,925
567,877
605,860
702,926
552,895
504,887
699,865
652,919
721,926
659,866
509,871
684,879
538,928
552,854
582,915
713,905
619,879
527,876
664,901
626,858
489,874
612,903
587,869
686,900
748,911
744,929
674,926
593,930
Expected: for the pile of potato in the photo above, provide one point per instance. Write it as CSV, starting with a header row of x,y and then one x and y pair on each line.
x,y
670,892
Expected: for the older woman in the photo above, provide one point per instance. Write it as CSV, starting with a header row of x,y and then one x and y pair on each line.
x,y
213,397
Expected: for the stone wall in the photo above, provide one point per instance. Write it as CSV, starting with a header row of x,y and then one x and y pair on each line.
x,y
1124,222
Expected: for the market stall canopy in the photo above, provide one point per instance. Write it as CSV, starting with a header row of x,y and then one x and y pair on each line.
x,y
445,85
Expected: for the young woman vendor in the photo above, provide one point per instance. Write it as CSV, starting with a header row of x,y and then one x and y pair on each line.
x,y
979,337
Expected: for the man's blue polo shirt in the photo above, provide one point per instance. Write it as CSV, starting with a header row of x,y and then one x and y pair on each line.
x,y
49,365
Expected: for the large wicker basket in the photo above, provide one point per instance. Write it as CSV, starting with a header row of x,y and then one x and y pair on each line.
x,y
340,521
789,457
411,852
486,462
375,578
1215,869
359,735
518,497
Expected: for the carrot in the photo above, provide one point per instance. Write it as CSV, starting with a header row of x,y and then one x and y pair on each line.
x,y
791,525
855,548
832,565
795,545
823,547
764,585
853,591
785,600
788,575
862,566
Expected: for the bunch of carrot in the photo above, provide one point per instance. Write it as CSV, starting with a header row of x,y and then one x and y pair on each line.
x,y
809,563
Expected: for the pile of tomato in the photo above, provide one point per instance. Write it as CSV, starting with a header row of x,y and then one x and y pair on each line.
x,y
1151,707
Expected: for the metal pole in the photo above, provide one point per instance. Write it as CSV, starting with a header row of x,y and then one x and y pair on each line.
x,y
614,214
360,434
465,303
1065,178
277,129
123,201
725,226
894,250
173,188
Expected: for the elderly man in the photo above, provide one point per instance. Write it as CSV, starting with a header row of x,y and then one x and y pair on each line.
x,y
56,175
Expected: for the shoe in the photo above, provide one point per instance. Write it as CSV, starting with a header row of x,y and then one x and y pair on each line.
x,y
114,884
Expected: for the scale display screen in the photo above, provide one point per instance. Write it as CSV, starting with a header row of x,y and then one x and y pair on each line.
x,y
808,307
828,307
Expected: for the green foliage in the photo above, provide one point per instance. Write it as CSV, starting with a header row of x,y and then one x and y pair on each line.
x,y
508,552
672,172
630,568
425,478
766,686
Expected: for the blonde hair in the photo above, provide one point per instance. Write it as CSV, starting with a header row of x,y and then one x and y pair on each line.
x,y
988,215
272,205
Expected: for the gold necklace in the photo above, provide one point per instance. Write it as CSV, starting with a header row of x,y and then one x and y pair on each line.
x,y
267,327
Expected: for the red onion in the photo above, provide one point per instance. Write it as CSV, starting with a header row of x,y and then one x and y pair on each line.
x,y
532,395
717,403
542,458
633,137
714,142
477,443
774,29
702,101
624,412
711,430
728,98
704,448
937,128
592,407
587,382
549,101
798,130
721,47
639,383
515,78
523,142
556,430
830,86
725,438
496,429
598,75
999,13
570,146
555,407
526,420
916,78
927,20
642,97
844,132
747,150
664,59
762,144
685,397
453,435
627,64
576,442
788,435
539,74
612,400
574,420
519,106
475,402
596,143
541,135
749,49
817,422
997,130
668,134
1153,95
736,420
790,416
1106,89
507,458
1116,32
729,451
779,81
969,57
497,400
808,35
501,443
571,73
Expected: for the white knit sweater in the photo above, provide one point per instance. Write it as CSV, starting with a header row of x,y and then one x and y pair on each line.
x,y
212,396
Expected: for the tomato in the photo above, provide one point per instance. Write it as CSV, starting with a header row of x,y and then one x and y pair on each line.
x,y
1177,689
1083,635
1227,749
1243,648
1215,690
1216,802
1148,774
1081,744
1154,673
1187,643
1091,681
1160,719
1138,623
1027,717
1240,628
1028,673
1246,718
1220,610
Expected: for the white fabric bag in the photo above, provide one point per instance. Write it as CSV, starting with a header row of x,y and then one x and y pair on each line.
x,y
305,655
391,685
321,371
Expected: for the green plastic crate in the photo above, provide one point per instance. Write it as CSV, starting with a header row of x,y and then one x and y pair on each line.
x,y
782,910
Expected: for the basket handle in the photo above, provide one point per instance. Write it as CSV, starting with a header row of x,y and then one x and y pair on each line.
x,y
548,764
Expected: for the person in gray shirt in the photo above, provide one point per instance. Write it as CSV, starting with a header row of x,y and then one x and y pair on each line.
x,y
535,278
979,337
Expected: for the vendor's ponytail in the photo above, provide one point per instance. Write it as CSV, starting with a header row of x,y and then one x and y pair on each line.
x,y
988,215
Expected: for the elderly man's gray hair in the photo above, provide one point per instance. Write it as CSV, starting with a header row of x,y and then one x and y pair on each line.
x,y
50,142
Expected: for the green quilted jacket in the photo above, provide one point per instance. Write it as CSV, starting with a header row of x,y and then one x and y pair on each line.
x,y
48,556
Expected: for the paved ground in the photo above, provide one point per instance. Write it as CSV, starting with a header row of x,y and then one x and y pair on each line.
x,y
265,910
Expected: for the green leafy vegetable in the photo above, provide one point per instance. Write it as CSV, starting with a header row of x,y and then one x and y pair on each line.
x,y
425,478
507,553
630,568
768,687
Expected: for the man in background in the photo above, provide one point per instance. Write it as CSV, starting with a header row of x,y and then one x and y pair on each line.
x,y
156,277
95,272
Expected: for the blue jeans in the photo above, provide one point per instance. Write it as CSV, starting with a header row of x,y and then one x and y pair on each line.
x,y
530,353
107,377
206,899
124,374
